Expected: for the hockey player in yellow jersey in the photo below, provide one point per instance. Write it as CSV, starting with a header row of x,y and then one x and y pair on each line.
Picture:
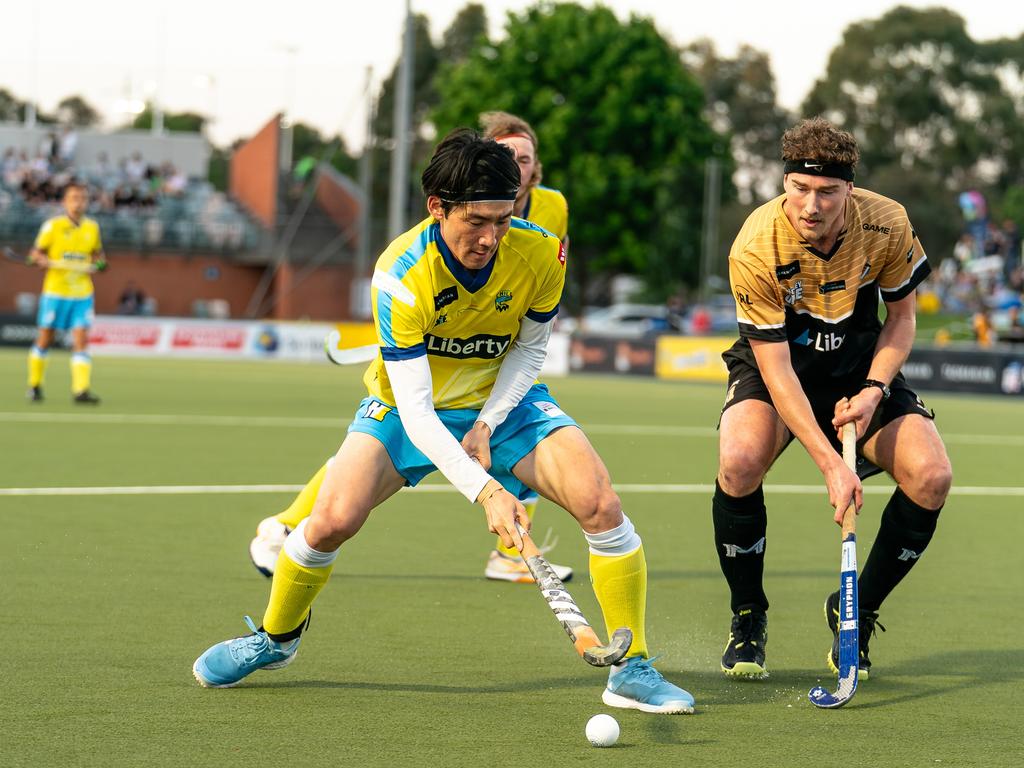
x,y
807,269
463,305
544,207
68,247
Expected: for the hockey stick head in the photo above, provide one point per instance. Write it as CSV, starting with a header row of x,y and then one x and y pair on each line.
x,y
349,356
606,655
11,255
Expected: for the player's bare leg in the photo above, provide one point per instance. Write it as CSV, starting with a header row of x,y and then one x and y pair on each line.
x,y
566,469
751,436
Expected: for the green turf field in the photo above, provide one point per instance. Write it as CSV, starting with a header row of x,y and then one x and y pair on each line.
x,y
413,659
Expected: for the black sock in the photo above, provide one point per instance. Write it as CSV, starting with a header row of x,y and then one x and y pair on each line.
x,y
902,537
740,527
286,636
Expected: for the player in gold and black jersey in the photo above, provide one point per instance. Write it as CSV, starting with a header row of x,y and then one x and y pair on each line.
x,y
807,270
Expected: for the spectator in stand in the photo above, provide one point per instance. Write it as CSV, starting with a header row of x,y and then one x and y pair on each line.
x,y
965,250
175,181
132,300
1011,246
135,168
66,147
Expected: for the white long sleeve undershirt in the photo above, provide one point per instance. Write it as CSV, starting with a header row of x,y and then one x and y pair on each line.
x,y
413,387
518,371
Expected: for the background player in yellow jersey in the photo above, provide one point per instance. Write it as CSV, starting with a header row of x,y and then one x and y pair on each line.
x,y
543,206
463,305
65,246
807,269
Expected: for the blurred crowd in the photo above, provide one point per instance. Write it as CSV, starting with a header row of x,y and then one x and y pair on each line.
x,y
983,279
138,202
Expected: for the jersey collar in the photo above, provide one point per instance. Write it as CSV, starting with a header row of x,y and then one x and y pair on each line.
x,y
468,279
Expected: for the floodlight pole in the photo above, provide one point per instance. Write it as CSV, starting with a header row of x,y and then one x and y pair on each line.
x,y
709,234
398,200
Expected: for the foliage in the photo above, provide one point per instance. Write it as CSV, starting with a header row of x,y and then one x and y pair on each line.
x,y
740,99
620,125
307,141
183,122
920,94
74,110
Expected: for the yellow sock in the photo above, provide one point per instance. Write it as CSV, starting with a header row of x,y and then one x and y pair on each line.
x,y
37,360
81,372
531,510
294,589
620,583
302,506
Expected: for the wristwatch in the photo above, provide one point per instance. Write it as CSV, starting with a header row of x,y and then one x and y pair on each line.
x,y
875,383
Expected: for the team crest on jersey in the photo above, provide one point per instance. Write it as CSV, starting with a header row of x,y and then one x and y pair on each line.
x,y
561,254
794,294
441,319
376,410
502,300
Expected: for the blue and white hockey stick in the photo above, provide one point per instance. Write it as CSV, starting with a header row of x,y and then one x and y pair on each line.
x,y
849,638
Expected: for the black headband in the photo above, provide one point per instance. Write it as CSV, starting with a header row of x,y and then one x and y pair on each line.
x,y
480,196
820,168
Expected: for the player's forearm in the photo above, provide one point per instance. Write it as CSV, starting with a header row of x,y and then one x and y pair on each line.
x,y
893,347
411,384
518,372
795,410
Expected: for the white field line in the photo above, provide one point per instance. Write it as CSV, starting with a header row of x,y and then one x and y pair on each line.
x,y
670,488
340,422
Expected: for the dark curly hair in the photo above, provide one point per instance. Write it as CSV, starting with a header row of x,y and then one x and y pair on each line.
x,y
818,139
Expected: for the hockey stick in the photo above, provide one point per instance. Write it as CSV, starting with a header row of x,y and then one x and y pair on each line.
x,y
849,636
584,638
348,356
71,266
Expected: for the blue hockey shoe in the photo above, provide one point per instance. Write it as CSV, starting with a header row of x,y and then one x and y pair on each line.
x,y
638,685
225,664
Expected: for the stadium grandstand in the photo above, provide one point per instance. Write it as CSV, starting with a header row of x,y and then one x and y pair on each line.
x,y
263,248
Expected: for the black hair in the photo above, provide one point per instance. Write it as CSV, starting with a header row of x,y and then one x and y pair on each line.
x,y
467,167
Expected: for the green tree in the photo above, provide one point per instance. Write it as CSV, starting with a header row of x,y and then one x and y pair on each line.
x,y
74,110
621,132
740,100
183,122
920,94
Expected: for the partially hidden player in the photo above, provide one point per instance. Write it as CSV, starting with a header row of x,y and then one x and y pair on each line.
x,y
545,207
807,269
463,305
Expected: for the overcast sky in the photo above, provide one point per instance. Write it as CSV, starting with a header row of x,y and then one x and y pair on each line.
x,y
242,62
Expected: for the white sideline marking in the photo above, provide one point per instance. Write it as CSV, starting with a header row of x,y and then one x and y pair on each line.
x,y
698,488
341,421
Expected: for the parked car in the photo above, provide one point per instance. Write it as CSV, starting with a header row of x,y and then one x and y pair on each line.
x,y
631,321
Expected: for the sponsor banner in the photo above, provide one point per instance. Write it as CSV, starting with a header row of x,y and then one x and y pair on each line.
x,y
291,341
696,358
17,330
604,354
984,371
557,361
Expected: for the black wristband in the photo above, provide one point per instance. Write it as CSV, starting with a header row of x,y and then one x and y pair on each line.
x,y
875,383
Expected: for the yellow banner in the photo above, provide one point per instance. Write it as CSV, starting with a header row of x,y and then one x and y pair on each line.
x,y
696,358
356,335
